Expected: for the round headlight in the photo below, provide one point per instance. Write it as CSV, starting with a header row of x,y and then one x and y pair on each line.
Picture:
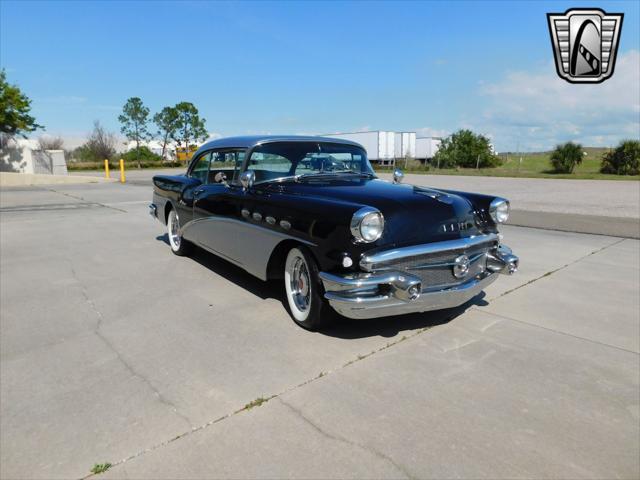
x,y
367,225
499,210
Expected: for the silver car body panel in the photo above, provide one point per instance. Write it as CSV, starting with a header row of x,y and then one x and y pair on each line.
x,y
245,244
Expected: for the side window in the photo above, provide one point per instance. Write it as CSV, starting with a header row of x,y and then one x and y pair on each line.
x,y
227,161
268,166
201,168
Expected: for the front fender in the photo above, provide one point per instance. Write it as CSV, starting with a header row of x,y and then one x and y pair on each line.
x,y
481,205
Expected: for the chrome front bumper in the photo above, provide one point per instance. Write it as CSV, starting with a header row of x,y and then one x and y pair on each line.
x,y
379,294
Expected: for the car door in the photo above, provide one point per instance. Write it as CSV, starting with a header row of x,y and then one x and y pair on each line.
x,y
217,207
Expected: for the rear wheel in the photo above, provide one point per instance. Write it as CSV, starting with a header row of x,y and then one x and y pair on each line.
x,y
304,293
179,246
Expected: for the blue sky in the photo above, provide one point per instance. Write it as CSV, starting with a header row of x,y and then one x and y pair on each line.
x,y
287,67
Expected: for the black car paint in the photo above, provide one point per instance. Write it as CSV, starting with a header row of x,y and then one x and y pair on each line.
x,y
320,211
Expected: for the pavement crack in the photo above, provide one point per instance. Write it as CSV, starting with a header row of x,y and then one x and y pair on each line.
x,y
338,438
251,405
551,272
87,298
75,197
107,342
560,332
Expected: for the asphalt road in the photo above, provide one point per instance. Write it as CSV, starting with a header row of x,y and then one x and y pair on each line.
x,y
114,350
602,207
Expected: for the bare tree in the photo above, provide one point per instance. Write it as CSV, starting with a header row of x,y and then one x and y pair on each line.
x,y
101,144
50,143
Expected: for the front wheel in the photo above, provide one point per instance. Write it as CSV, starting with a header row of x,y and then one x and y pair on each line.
x,y
178,245
304,294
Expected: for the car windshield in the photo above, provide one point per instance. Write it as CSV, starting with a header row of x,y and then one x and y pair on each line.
x,y
297,160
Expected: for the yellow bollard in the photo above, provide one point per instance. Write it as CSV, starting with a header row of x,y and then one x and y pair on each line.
x,y
122,179
106,169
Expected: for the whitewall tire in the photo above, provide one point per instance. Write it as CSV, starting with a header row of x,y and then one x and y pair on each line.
x,y
304,291
178,245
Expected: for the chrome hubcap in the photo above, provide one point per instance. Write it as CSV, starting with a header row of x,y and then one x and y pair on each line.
x,y
300,284
174,231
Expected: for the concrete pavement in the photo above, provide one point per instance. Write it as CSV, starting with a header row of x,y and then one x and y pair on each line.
x,y
10,179
112,349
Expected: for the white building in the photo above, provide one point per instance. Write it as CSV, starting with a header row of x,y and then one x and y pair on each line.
x,y
155,146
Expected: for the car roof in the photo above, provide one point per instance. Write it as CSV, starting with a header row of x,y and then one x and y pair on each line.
x,y
251,141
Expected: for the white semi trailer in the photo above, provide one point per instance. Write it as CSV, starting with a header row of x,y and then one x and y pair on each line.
x,y
379,144
426,147
405,145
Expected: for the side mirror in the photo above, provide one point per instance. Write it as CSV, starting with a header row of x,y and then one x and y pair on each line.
x,y
397,176
247,178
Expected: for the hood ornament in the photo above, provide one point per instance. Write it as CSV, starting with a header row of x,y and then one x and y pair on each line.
x,y
435,194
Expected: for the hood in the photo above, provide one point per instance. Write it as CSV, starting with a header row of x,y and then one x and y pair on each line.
x,y
412,214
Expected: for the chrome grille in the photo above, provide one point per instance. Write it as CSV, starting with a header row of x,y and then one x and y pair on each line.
x,y
436,269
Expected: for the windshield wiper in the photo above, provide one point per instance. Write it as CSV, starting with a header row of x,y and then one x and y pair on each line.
x,y
333,174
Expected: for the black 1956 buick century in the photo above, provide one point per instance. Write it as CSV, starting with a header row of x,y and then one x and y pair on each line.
x,y
310,211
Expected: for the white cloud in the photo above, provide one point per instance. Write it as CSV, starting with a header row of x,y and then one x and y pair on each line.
x,y
213,136
537,109
431,132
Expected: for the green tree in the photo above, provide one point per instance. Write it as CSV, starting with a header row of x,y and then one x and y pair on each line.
x,y
134,120
142,155
566,156
466,149
15,107
624,160
189,125
167,122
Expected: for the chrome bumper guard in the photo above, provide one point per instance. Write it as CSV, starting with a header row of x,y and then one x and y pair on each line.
x,y
380,294
153,210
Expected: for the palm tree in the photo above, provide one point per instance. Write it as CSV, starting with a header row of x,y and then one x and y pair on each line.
x,y
566,156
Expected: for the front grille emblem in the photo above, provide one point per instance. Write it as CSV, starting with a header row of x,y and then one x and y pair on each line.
x,y
461,266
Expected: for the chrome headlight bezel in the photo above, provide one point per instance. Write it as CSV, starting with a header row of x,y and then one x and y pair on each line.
x,y
499,210
364,218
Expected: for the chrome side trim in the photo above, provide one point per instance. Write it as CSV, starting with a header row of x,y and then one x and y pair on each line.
x,y
368,262
244,243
